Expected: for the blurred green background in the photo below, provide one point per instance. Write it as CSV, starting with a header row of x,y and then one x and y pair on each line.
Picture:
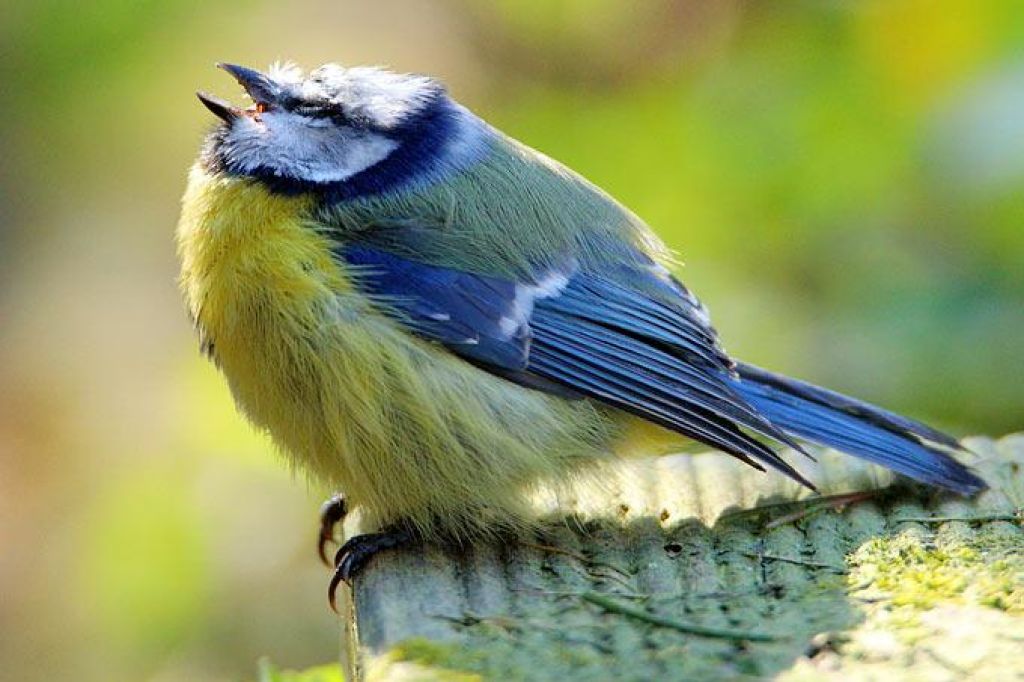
x,y
845,181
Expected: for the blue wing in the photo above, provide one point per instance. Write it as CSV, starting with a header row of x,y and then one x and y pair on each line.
x,y
645,348
465,312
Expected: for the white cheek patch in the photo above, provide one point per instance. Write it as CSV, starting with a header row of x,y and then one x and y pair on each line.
x,y
317,150
550,285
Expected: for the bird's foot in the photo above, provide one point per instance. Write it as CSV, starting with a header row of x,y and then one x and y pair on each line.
x,y
357,552
332,512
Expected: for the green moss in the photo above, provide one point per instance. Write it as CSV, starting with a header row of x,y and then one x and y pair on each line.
x,y
330,672
421,650
433,661
911,569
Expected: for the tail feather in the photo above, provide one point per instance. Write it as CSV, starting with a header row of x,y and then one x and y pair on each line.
x,y
857,428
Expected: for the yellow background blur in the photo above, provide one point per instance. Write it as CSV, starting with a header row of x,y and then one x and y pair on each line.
x,y
845,181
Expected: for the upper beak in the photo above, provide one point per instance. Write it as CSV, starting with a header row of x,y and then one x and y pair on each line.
x,y
261,89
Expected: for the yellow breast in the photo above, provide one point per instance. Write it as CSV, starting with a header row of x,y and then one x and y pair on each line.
x,y
235,232
260,284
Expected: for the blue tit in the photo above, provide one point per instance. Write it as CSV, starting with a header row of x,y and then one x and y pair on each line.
x,y
437,319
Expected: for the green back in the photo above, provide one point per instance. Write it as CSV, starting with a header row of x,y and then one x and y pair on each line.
x,y
512,213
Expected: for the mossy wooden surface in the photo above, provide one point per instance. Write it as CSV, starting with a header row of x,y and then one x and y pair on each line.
x,y
909,584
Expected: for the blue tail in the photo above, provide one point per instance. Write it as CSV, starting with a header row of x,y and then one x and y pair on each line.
x,y
857,428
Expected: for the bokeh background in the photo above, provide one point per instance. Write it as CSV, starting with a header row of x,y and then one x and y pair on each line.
x,y
844,180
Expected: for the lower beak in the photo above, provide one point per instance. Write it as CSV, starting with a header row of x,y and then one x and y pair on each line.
x,y
220,108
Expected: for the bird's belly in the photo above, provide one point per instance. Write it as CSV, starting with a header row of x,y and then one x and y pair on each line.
x,y
405,429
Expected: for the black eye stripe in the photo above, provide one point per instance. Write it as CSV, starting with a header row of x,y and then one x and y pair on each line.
x,y
314,111
335,112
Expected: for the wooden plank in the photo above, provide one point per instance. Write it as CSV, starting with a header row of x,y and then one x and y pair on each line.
x,y
628,571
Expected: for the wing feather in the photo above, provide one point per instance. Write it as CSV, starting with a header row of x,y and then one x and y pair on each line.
x,y
581,334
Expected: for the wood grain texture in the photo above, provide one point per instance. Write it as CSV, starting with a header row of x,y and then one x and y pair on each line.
x,y
899,586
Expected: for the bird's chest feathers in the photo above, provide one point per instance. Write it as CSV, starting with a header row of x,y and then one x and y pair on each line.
x,y
261,285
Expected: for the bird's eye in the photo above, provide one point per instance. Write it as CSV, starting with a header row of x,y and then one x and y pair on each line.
x,y
262,107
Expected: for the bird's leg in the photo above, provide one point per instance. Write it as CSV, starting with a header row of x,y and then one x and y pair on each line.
x,y
357,551
332,512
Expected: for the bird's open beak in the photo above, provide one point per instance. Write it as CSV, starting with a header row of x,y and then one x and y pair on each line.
x,y
259,87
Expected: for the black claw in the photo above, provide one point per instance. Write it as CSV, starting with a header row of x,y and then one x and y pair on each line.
x,y
331,513
353,556
332,589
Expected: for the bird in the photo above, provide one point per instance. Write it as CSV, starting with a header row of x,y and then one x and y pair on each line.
x,y
436,319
